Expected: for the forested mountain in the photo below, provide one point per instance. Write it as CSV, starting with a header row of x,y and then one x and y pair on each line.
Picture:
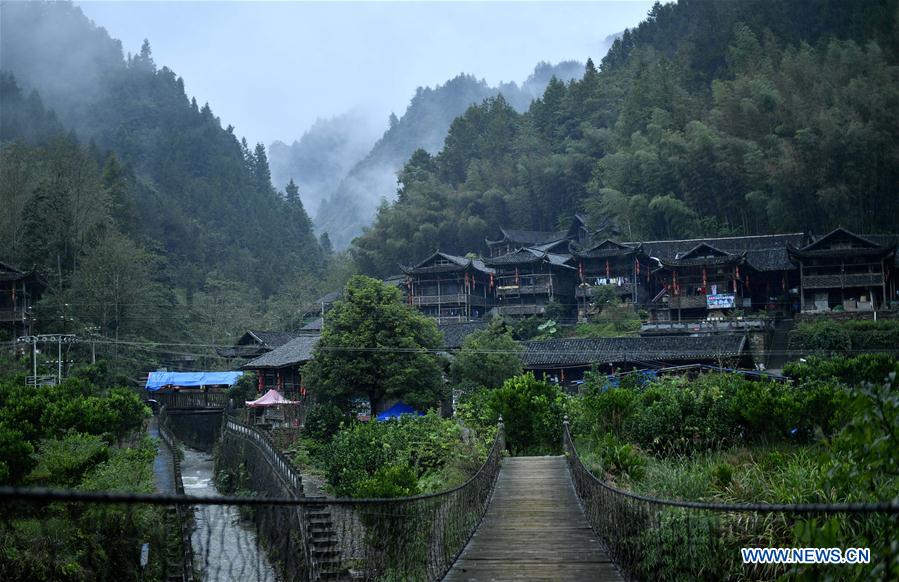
x,y
323,156
708,118
424,124
131,195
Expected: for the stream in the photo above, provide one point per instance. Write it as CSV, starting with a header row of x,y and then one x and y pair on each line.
x,y
225,547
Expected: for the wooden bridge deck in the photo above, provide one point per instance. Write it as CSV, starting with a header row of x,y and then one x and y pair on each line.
x,y
534,529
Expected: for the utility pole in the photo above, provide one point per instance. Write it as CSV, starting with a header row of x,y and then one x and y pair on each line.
x,y
59,338
92,332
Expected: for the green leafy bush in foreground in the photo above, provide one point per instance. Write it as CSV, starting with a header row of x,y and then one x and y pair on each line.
x,y
532,411
382,457
844,337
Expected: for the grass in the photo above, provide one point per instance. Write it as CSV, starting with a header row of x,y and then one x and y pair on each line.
x,y
781,473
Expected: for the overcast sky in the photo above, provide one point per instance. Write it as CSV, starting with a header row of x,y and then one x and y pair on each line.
x,y
271,68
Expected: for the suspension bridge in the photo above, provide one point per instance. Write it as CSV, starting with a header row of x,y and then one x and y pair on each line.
x,y
534,518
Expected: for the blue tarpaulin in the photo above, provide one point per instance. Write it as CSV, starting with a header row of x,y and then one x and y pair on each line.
x,y
157,380
397,410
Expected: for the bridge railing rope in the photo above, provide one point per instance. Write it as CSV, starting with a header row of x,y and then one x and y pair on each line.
x,y
651,538
285,537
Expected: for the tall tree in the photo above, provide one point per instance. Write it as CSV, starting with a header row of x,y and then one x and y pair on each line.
x,y
487,358
375,347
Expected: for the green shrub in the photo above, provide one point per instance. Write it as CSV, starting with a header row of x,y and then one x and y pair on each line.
x,y
618,458
722,475
676,416
15,455
389,481
423,444
822,335
605,411
532,411
323,421
28,416
842,337
62,462
126,470
863,454
526,328
851,371
487,358
246,388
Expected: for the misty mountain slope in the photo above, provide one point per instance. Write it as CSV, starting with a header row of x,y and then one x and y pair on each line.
x,y
708,119
319,160
203,198
53,47
424,125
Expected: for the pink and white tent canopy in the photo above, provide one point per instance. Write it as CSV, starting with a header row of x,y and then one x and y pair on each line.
x,y
270,398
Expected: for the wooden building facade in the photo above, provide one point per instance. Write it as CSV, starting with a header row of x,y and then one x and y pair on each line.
x,y
696,277
19,291
528,279
625,270
450,288
282,368
844,271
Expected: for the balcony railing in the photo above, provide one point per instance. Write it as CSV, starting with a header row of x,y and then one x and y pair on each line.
x,y
588,292
514,290
707,326
522,309
688,302
454,298
842,280
10,314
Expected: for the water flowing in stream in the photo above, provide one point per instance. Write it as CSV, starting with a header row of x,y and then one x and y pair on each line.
x,y
225,547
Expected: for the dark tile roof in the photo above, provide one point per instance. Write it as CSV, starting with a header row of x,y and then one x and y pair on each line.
x,y
10,273
558,245
763,252
314,325
885,240
608,249
515,257
530,237
839,232
396,280
245,351
329,298
708,260
454,334
557,353
273,339
456,263
255,343
529,255
870,245
297,351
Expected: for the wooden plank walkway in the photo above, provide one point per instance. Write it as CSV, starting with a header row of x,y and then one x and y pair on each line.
x,y
534,529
